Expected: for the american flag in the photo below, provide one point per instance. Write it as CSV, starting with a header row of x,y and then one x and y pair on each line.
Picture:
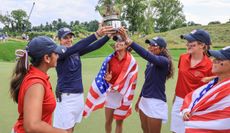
x,y
125,85
211,113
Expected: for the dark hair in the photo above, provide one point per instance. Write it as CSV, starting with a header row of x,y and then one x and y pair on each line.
x,y
165,52
19,73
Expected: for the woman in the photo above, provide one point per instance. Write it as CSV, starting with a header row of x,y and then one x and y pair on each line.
x,y
207,109
192,67
114,87
152,104
114,98
69,85
30,87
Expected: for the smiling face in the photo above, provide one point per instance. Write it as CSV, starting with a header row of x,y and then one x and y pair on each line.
x,y
194,46
120,46
67,41
220,67
154,49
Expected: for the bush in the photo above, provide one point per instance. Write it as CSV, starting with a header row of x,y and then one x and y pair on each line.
x,y
34,34
214,22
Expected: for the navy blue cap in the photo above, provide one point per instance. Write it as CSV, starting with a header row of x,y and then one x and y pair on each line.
x,y
41,45
198,35
63,32
157,41
223,54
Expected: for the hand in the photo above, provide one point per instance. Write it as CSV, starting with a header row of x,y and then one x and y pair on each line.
x,y
186,116
208,79
105,30
124,36
137,105
108,76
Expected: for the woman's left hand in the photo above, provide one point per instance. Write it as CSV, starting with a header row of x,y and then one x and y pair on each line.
x,y
105,30
186,116
108,76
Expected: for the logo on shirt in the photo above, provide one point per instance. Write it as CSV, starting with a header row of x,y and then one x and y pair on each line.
x,y
197,73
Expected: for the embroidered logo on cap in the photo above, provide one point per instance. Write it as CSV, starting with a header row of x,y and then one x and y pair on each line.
x,y
225,48
193,32
63,50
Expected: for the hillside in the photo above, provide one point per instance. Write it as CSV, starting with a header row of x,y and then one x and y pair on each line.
x,y
220,34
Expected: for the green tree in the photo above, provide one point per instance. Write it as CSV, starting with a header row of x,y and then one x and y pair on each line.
x,y
168,14
16,21
20,20
133,12
147,26
93,26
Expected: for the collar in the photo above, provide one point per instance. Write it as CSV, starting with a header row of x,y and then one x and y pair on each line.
x,y
35,71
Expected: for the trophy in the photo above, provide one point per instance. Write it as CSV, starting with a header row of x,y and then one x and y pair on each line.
x,y
110,11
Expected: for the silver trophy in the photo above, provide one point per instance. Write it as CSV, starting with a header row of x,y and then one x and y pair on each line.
x,y
110,11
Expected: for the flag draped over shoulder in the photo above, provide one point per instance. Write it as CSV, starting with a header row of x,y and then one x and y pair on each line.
x,y
210,112
125,85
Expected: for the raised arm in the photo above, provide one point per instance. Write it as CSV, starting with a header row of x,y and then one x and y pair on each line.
x,y
77,47
96,45
156,59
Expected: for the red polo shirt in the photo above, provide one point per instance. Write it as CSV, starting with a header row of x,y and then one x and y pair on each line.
x,y
36,76
115,65
189,78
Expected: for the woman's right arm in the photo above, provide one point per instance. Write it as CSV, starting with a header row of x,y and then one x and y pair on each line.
x,y
33,111
158,60
79,46
82,44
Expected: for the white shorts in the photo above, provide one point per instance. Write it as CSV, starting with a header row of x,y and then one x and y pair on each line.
x,y
154,108
177,123
113,99
69,111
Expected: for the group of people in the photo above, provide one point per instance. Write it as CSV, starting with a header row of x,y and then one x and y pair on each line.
x,y
201,95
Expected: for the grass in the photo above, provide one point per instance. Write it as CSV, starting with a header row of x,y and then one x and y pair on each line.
x,y
219,34
8,109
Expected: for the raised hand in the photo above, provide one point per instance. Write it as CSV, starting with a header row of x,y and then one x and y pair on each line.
x,y
105,30
108,76
123,33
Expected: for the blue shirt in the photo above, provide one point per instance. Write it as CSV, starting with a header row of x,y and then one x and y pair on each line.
x,y
69,64
156,71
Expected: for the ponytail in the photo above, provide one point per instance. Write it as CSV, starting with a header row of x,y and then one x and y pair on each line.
x,y
171,67
19,73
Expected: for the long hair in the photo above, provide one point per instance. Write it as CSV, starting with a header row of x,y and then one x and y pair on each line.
x,y
19,73
170,74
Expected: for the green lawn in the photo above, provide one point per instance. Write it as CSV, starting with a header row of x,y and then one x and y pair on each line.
x,y
8,109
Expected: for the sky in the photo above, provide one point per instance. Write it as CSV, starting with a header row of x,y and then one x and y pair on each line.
x,y
199,11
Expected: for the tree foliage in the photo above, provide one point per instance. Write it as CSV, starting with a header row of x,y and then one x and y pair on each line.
x,y
149,15
16,21
168,14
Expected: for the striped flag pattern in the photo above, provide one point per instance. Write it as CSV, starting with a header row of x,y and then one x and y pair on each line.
x,y
212,112
125,85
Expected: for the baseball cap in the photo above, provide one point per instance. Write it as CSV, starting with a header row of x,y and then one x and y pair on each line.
x,y
63,32
198,35
157,41
41,45
223,54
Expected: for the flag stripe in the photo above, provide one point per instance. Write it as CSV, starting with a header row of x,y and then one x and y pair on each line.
x,y
125,85
211,112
